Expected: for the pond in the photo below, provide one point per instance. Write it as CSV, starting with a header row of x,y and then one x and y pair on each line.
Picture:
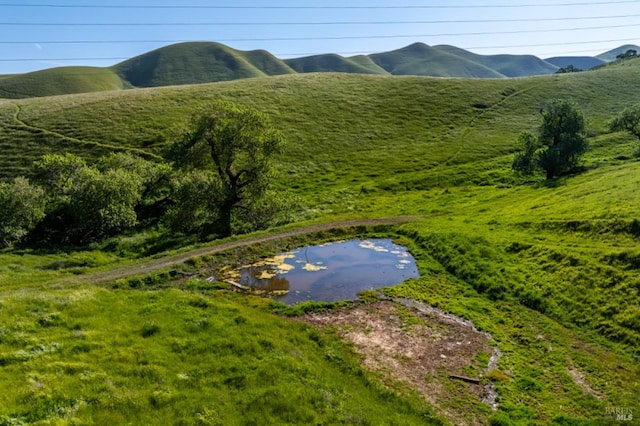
x,y
327,272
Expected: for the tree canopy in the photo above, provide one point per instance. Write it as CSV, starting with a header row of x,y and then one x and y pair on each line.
x,y
629,53
628,121
237,147
560,144
22,206
89,202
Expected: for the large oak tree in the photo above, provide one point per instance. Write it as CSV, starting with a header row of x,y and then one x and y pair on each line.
x,y
236,146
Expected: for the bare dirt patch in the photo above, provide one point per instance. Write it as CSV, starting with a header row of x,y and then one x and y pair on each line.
x,y
420,348
580,379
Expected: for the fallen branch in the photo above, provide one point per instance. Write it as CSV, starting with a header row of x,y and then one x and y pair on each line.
x,y
465,379
238,285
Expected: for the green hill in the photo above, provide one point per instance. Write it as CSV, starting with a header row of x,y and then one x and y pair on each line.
x,y
549,269
420,59
189,63
506,65
60,81
334,63
208,62
450,61
611,55
580,62
368,64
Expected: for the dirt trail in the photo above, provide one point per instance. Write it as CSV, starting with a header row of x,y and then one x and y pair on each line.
x,y
145,267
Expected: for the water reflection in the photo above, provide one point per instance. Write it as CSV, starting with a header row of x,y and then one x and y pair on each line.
x,y
329,272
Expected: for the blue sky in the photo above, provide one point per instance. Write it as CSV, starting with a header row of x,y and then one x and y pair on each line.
x,y
30,30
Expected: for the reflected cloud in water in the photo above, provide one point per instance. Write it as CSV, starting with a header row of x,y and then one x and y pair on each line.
x,y
330,272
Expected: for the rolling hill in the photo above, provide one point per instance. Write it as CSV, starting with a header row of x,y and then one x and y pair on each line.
x,y
192,63
420,59
580,62
335,63
60,81
208,62
564,255
611,55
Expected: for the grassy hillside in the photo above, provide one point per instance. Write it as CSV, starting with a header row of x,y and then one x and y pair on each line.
x,y
581,62
610,55
549,269
334,63
185,358
420,59
59,81
507,65
414,123
188,63
207,62
368,64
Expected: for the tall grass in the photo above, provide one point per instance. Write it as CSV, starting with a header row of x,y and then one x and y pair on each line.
x,y
96,356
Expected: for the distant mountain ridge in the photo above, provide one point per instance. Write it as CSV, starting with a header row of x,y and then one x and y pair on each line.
x,y
208,62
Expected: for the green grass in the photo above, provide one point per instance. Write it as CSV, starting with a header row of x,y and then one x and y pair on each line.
x,y
114,357
551,270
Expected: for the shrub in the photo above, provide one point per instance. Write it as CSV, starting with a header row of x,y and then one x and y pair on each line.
x,y
149,329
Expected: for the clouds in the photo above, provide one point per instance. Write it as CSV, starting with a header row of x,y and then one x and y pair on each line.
x,y
38,46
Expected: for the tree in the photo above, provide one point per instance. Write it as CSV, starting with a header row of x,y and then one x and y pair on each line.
x,y
524,162
22,206
103,203
155,178
630,53
562,133
568,69
239,146
191,212
561,140
55,172
628,121
91,202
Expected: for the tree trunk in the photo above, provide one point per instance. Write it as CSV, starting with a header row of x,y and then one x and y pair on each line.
x,y
225,220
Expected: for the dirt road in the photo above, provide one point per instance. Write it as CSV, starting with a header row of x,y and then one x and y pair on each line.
x,y
148,266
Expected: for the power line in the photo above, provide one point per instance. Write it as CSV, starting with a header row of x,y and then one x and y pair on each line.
x,y
341,53
328,23
315,38
622,40
488,6
60,59
391,36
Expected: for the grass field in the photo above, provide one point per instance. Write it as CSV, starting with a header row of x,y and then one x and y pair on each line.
x,y
551,270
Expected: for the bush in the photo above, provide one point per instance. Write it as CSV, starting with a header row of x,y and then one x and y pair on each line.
x,y
22,206
149,329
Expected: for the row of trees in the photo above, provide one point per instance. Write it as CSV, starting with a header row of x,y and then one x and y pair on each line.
x,y
216,180
560,141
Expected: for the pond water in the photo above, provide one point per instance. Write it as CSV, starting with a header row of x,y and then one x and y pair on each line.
x,y
328,272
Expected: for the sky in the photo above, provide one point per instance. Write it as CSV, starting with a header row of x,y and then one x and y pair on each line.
x,y
39,34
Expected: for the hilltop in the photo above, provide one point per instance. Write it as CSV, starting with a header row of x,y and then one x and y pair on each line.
x,y
209,62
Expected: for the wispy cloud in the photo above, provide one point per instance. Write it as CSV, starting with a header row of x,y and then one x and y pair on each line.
x,y
38,46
